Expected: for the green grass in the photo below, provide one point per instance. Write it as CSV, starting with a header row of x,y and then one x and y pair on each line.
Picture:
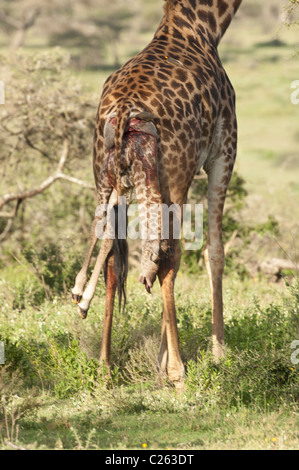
x,y
249,400
192,429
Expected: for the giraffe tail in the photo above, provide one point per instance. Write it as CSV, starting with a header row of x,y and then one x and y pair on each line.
x,y
113,133
121,119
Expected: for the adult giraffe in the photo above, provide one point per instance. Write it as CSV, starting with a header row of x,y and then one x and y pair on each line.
x,y
167,112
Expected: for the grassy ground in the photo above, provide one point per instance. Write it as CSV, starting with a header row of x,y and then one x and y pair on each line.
x,y
54,398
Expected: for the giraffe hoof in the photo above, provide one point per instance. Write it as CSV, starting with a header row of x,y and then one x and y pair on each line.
x,y
76,298
82,312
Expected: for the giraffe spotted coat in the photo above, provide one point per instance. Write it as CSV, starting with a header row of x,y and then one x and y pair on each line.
x,y
178,78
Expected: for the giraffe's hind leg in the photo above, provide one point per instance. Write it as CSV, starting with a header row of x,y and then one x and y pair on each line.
x,y
167,274
218,180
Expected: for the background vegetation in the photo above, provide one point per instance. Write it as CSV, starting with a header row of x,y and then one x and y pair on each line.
x,y
54,58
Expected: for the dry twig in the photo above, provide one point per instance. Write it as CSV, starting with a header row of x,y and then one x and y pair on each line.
x,y
59,174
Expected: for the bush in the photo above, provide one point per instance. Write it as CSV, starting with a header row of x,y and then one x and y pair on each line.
x,y
55,267
245,378
232,224
14,406
257,369
57,365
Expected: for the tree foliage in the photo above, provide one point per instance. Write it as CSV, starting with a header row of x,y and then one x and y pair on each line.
x,y
292,9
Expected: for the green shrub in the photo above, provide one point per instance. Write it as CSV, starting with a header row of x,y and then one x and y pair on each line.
x,y
232,222
244,378
55,269
257,369
61,366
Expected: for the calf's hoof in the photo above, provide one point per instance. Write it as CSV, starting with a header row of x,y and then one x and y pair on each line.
x,y
76,298
82,312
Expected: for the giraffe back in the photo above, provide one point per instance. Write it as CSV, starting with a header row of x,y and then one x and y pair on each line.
x,y
179,79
